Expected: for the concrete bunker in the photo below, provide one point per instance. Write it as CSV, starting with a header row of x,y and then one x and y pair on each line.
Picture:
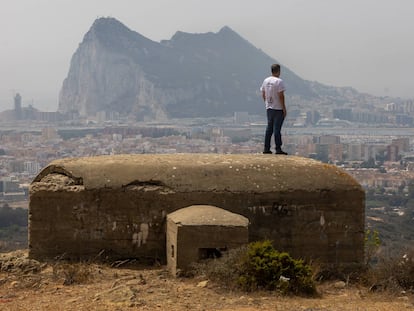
x,y
117,205
202,231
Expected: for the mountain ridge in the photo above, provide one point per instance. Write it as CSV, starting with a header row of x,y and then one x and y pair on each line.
x,y
116,69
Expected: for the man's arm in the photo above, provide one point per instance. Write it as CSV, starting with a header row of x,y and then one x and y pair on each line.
x,y
264,95
282,102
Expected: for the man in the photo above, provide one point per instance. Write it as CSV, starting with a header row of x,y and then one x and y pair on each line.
x,y
273,95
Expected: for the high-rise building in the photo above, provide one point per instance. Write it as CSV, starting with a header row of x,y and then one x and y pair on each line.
x,y
369,152
392,153
18,112
354,152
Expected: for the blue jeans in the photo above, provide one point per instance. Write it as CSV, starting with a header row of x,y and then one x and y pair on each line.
x,y
275,120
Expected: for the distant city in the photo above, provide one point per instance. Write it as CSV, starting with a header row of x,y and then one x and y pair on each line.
x,y
30,139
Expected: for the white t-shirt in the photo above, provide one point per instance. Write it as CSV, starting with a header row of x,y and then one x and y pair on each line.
x,y
272,86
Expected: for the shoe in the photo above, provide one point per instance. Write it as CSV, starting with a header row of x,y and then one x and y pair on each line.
x,y
267,152
281,152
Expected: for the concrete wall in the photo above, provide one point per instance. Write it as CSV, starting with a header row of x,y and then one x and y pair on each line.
x,y
201,227
80,207
190,239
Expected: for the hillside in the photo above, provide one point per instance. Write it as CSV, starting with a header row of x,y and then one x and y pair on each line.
x,y
117,70
29,285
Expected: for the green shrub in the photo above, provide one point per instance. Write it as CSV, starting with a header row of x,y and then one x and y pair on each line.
x,y
259,267
263,267
372,244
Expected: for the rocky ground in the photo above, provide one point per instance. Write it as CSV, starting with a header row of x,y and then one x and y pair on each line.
x,y
29,285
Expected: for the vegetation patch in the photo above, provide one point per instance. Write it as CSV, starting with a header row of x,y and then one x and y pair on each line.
x,y
13,228
258,266
73,273
392,273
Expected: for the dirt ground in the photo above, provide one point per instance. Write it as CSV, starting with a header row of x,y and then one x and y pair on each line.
x,y
29,285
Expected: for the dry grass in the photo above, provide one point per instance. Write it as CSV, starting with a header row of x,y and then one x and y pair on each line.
x,y
82,286
73,273
392,274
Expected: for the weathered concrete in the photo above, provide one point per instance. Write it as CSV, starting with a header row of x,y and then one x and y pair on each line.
x,y
201,231
119,203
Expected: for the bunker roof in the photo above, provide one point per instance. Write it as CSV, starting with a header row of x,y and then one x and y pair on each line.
x,y
200,172
207,215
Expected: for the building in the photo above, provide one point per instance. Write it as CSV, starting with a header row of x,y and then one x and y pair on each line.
x,y
402,119
402,143
327,139
200,232
117,205
241,117
18,111
392,153
49,133
355,152
342,113
312,117
10,190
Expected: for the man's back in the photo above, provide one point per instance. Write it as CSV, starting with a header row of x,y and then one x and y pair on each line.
x,y
272,86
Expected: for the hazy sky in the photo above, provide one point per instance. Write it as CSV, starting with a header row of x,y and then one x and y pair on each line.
x,y
366,44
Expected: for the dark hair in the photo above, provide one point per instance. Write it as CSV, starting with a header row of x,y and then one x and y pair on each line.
x,y
275,68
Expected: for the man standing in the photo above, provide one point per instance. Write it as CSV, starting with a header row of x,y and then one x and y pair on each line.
x,y
273,95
